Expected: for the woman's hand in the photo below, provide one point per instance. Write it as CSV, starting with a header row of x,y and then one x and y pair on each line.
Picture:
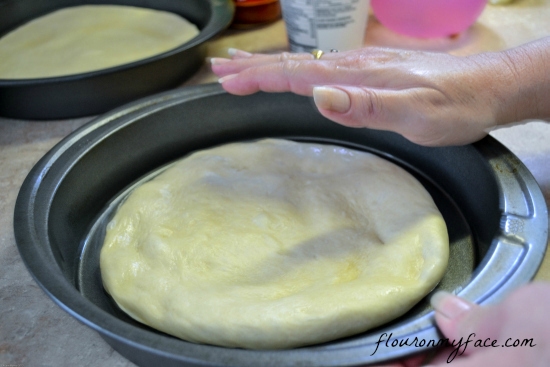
x,y
515,332
432,99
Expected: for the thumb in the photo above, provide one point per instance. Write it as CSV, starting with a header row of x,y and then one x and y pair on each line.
x,y
352,106
406,112
458,318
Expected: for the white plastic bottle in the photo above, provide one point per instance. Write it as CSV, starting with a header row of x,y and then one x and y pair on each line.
x,y
325,24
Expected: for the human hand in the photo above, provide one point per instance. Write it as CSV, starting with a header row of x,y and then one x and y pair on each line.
x,y
513,333
430,98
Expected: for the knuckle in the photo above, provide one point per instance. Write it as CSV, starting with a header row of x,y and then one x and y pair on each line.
x,y
353,61
284,56
290,67
370,105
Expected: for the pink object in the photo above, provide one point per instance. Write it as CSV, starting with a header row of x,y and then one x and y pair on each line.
x,y
428,18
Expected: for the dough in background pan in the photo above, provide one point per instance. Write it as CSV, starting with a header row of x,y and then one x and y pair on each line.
x,y
89,37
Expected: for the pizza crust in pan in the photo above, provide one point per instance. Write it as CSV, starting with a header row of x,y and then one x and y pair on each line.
x,y
274,244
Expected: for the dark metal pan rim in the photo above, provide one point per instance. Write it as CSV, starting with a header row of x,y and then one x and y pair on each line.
x,y
527,254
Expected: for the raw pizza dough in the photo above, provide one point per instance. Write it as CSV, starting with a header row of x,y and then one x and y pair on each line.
x,y
90,37
274,244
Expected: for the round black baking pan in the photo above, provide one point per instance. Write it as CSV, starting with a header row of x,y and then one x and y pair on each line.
x,y
494,210
98,91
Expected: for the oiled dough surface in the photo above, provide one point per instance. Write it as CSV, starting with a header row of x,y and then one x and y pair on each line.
x,y
274,244
89,37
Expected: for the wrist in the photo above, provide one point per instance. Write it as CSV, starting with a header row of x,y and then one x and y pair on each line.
x,y
520,82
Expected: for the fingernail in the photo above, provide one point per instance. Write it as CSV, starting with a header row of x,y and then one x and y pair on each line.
x,y
237,52
226,78
449,305
332,99
218,60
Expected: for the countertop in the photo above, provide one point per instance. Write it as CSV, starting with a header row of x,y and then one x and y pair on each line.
x,y
36,332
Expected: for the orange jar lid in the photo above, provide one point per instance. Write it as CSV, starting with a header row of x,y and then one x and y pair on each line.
x,y
253,2
251,13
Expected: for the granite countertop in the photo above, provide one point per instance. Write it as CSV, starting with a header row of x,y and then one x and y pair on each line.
x,y
36,332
